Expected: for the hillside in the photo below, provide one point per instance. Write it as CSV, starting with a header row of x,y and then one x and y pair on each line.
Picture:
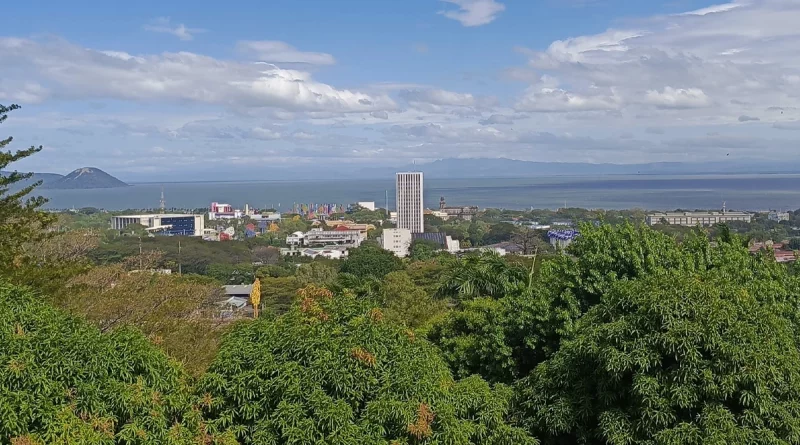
x,y
85,178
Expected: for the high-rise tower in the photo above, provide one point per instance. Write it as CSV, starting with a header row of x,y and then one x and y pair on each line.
x,y
409,201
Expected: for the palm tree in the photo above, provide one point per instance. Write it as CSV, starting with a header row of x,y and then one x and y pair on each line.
x,y
484,275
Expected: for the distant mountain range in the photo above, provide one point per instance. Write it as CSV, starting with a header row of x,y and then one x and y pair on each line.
x,y
501,167
82,178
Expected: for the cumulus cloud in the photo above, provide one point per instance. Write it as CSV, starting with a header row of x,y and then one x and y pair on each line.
x,y
76,72
557,100
163,25
273,51
379,115
678,98
474,12
714,64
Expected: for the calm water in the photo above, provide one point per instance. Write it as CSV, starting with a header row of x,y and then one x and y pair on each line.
x,y
742,192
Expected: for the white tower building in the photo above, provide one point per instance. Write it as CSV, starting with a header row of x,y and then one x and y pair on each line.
x,y
409,202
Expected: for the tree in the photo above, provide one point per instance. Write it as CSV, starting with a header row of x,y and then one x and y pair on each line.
x,y
266,254
333,370
21,219
255,297
675,357
406,303
316,274
175,312
483,275
498,233
794,243
370,260
423,250
278,293
62,381
529,240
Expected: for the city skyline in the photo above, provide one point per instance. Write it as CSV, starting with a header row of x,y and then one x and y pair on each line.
x,y
171,90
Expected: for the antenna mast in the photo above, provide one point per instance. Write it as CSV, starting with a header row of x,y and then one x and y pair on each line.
x,y
163,202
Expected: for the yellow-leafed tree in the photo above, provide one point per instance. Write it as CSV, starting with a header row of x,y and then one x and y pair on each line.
x,y
255,297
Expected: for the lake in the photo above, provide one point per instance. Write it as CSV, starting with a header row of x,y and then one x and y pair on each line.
x,y
741,192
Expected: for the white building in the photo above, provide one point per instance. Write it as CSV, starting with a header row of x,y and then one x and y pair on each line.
x,y
778,216
163,224
692,219
409,201
397,241
223,211
369,205
319,237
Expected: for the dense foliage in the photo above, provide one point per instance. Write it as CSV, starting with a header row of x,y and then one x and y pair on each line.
x,y
62,381
679,358
21,220
333,371
369,260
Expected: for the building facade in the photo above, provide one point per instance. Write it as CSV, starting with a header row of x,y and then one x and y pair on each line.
x,y
692,219
465,213
163,224
397,241
409,201
778,216
317,237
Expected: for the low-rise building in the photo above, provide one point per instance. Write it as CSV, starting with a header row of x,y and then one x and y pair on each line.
x,y
778,216
782,252
692,219
465,212
397,241
369,205
319,237
561,239
163,224
446,242
223,211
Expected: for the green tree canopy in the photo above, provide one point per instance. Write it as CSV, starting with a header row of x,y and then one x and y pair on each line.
x,y
370,260
483,275
673,358
21,218
315,273
423,250
406,303
334,371
62,381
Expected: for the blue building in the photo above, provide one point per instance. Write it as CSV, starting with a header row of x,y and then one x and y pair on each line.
x,y
562,238
175,224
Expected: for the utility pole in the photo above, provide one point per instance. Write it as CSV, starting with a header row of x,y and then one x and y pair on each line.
x,y
180,266
140,253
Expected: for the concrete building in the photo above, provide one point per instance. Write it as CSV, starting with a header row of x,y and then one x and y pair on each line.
x,y
778,216
397,241
410,202
223,211
319,237
369,205
163,224
446,242
465,212
561,239
697,218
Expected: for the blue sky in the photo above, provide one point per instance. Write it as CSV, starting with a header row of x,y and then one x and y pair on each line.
x,y
148,90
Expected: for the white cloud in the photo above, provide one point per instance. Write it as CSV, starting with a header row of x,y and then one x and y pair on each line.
x,y
678,98
163,25
713,9
379,115
71,71
474,12
558,100
273,51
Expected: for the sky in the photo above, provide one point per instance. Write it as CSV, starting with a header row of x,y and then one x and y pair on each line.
x,y
152,90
